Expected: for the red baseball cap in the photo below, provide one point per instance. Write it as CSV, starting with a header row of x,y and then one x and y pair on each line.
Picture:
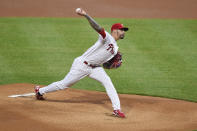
x,y
119,26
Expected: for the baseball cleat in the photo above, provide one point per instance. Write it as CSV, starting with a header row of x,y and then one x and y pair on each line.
x,y
118,113
38,95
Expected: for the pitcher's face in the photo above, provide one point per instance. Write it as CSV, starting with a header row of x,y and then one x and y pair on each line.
x,y
121,34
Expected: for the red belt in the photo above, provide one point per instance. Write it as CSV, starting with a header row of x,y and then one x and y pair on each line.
x,y
93,66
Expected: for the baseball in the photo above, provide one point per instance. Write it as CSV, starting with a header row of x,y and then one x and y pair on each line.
x,y
78,10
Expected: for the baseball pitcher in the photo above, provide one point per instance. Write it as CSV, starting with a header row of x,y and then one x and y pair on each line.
x,y
104,53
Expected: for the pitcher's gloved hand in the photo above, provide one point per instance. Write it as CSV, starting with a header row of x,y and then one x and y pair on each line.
x,y
114,63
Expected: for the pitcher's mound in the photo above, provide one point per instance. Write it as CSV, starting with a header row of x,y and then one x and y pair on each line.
x,y
79,110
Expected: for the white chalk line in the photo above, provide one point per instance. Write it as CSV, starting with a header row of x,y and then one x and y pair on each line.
x,y
22,95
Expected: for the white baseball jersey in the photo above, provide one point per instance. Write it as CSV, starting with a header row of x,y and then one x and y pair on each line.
x,y
102,51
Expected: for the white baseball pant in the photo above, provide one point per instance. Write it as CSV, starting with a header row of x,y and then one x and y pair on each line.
x,y
80,70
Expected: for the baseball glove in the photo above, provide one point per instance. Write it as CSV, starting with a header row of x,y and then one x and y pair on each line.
x,y
114,63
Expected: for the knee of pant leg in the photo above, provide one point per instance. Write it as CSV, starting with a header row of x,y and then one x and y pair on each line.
x,y
65,84
109,87
107,81
61,85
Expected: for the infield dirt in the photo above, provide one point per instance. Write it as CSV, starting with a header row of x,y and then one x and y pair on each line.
x,y
80,110
102,8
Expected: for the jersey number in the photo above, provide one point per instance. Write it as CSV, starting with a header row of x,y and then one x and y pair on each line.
x,y
111,46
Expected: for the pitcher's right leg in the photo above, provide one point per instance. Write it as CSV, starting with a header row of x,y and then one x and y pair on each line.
x,y
71,78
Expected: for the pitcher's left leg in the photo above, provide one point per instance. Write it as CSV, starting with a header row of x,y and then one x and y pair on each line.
x,y
100,75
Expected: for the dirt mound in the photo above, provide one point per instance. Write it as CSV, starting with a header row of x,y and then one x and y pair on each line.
x,y
101,8
74,110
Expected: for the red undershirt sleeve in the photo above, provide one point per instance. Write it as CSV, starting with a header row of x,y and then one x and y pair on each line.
x,y
102,33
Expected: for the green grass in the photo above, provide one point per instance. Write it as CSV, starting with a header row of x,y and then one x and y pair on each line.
x,y
159,56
